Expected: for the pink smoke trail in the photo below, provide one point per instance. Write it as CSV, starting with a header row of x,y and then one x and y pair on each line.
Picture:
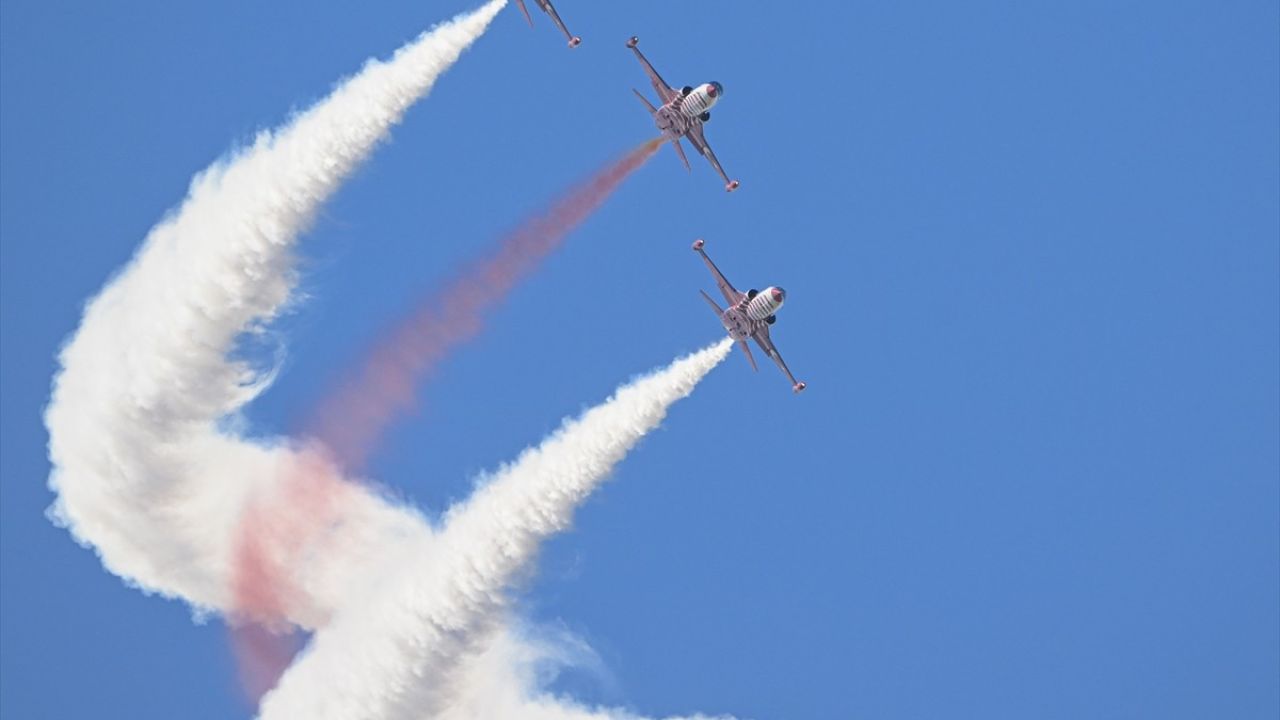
x,y
353,419
276,530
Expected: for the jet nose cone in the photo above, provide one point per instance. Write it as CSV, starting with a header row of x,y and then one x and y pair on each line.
x,y
779,294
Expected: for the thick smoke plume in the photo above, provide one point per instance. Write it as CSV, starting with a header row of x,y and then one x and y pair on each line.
x,y
141,470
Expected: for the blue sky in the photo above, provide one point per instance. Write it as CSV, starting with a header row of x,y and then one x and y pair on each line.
x,y
1032,254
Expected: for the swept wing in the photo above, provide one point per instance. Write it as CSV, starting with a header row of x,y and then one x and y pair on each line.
x,y
762,339
698,139
660,86
730,293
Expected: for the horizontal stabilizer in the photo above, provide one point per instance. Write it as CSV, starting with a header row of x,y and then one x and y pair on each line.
x,y
750,358
675,143
645,100
525,10
712,303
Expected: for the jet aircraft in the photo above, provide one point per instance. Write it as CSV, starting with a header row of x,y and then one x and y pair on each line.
x,y
683,113
546,7
749,315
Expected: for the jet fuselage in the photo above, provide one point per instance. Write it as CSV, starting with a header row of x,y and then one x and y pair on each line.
x,y
676,117
742,320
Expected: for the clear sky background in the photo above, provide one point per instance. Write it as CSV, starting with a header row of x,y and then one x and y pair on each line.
x,y
1031,251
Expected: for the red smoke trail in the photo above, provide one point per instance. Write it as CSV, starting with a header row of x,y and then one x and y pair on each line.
x,y
275,531
352,420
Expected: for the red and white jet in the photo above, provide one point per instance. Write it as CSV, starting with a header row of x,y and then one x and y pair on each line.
x,y
545,6
749,315
683,113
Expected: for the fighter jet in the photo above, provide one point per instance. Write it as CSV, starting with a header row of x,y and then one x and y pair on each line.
x,y
683,113
749,315
545,5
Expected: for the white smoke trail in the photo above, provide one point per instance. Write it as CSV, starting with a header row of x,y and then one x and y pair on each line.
x,y
407,653
141,471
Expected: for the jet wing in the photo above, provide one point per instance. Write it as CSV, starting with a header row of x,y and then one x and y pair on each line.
x,y
555,17
762,339
698,139
660,86
730,293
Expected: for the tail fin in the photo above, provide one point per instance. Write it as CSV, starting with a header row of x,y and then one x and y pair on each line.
x,y
675,143
741,343
645,100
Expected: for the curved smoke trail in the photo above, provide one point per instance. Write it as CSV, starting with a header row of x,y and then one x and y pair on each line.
x,y
141,471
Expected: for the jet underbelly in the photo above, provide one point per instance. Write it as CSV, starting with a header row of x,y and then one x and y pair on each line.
x,y
736,323
671,121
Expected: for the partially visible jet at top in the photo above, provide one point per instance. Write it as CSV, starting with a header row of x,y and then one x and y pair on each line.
x,y
545,5
749,316
683,113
